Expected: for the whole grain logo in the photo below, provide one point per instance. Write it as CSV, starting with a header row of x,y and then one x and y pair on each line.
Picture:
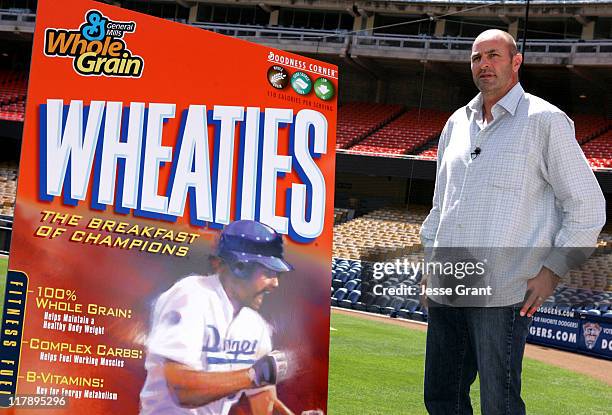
x,y
97,48
278,77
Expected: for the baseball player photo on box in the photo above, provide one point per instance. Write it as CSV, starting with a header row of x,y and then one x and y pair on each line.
x,y
172,236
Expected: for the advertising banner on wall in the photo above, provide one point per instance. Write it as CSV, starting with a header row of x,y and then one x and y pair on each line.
x,y
172,239
595,336
574,331
555,328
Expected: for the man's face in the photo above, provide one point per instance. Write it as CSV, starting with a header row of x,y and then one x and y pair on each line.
x,y
493,67
251,292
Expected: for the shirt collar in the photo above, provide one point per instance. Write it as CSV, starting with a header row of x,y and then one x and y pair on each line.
x,y
509,101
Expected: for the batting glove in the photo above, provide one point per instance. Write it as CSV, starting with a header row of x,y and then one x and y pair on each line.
x,y
269,370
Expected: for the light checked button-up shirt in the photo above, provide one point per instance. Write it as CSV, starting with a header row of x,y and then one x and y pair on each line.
x,y
530,186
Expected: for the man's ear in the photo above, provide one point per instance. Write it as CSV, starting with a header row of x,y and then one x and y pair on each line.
x,y
517,60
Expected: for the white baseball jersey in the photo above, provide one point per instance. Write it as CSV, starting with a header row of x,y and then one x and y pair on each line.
x,y
193,324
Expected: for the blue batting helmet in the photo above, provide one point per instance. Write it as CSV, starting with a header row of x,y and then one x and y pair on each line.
x,y
244,243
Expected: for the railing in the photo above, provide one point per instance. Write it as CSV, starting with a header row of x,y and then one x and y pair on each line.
x,y
539,3
417,157
454,44
302,35
6,229
15,18
375,154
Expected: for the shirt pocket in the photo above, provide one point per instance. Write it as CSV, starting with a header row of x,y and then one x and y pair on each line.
x,y
508,171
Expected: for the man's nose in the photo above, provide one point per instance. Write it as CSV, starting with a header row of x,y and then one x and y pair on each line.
x,y
273,282
484,62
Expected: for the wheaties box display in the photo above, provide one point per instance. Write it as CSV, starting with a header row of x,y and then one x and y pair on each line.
x,y
172,240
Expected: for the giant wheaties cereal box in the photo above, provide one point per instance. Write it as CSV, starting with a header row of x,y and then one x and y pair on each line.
x,y
171,251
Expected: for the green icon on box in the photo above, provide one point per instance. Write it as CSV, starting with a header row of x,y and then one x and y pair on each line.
x,y
324,89
301,83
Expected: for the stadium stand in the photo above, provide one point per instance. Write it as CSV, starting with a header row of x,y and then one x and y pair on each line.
x,y
599,150
589,126
351,278
383,233
430,151
8,187
596,273
13,87
406,133
342,215
356,120
593,132
391,235
353,287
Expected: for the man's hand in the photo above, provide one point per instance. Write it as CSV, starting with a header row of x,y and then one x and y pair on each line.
x,y
269,370
262,403
539,289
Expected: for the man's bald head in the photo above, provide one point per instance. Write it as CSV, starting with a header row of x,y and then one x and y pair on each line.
x,y
498,34
495,63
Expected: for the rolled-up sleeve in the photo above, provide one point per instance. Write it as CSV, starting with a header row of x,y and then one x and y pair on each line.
x,y
577,193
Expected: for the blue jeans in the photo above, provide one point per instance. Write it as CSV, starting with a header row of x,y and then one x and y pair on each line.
x,y
464,341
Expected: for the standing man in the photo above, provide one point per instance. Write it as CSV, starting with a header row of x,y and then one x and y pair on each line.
x,y
208,344
510,174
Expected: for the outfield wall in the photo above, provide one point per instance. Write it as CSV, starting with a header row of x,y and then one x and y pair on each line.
x,y
575,332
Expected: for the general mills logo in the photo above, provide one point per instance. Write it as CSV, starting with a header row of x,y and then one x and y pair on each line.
x,y
97,47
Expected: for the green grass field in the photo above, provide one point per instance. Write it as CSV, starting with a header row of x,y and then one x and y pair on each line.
x,y
377,368
3,265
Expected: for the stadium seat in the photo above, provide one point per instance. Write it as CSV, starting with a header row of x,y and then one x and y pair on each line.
x,y
394,307
356,120
13,88
351,285
598,151
409,307
381,302
366,301
339,296
351,300
405,134
380,234
8,187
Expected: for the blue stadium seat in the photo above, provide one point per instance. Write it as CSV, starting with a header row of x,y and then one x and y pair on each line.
x,y
394,307
381,302
339,296
365,301
367,286
344,276
351,300
409,307
350,285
